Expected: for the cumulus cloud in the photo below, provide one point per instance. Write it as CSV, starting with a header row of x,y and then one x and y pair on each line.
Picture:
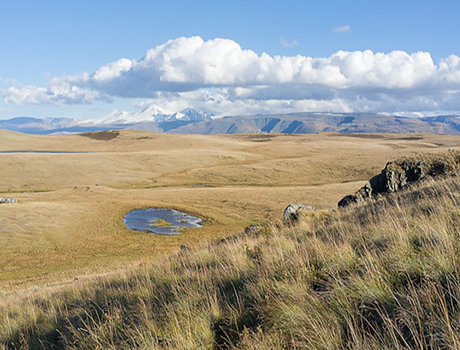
x,y
343,29
62,93
230,76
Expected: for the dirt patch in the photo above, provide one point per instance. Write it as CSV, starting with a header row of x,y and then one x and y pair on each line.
x,y
255,137
409,138
102,135
360,136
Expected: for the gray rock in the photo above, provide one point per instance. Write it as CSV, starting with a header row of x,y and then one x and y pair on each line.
x,y
292,212
7,200
253,229
347,200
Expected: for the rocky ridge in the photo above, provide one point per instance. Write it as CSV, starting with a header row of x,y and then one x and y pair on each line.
x,y
404,171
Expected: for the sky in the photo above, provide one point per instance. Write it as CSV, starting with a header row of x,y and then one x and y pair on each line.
x,y
85,59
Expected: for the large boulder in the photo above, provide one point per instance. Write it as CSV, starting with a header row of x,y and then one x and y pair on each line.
x,y
398,174
293,212
347,200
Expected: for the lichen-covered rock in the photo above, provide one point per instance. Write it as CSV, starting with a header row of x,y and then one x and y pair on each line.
x,y
398,174
365,193
294,211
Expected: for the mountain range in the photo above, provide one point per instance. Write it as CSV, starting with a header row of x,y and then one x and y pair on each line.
x,y
191,121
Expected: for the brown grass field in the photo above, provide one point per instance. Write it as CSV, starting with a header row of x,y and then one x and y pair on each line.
x,y
68,222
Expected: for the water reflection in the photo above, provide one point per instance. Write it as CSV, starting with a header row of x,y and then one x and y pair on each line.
x,y
160,221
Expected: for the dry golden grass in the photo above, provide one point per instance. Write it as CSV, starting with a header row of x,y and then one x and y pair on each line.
x,y
68,222
381,275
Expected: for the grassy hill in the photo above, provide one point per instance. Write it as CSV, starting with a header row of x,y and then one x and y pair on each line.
x,y
68,222
379,275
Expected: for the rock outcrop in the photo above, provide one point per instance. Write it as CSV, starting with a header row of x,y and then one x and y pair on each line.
x,y
293,212
400,173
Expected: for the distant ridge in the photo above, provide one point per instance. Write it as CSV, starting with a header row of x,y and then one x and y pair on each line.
x,y
312,123
190,121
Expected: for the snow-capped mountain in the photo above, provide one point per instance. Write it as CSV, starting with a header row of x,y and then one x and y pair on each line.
x,y
151,114
121,117
151,118
189,114
116,117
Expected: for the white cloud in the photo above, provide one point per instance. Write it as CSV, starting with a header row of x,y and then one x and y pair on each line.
x,y
221,75
288,44
226,101
57,93
343,29
112,70
6,81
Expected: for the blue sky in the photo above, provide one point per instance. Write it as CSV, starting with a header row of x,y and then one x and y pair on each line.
x,y
52,50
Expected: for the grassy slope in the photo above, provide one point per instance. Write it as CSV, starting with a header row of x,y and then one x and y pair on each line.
x,y
378,276
75,228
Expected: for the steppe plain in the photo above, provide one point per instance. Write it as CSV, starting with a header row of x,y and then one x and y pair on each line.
x,y
68,222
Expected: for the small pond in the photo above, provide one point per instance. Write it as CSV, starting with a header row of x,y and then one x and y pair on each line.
x,y
160,221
